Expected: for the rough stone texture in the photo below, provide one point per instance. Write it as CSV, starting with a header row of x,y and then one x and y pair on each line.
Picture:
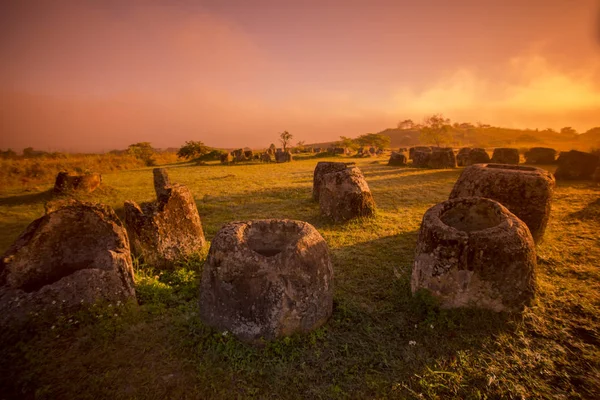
x,y
462,158
76,255
505,155
322,168
267,279
167,230
398,159
442,158
412,150
525,191
474,252
421,158
345,195
161,182
576,165
540,155
478,156
66,182
284,156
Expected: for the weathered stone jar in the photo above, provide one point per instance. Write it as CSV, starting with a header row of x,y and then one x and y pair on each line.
x,y
323,168
67,182
75,255
267,279
397,159
576,165
473,252
506,155
345,195
526,191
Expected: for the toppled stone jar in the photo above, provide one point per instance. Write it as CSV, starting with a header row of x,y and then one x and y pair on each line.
x,y
267,279
345,194
167,230
72,256
473,252
526,191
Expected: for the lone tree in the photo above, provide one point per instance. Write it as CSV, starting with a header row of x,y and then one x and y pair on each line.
x,y
285,137
193,149
436,129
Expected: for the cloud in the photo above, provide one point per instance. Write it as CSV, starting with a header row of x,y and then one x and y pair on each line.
x,y
525,92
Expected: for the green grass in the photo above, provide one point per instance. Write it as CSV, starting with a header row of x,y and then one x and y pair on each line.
x,y
160,349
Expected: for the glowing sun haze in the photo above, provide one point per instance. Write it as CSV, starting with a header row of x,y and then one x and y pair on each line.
x,y
97,75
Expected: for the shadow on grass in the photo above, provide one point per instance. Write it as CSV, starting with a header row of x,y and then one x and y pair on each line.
x,y
591,212
27,199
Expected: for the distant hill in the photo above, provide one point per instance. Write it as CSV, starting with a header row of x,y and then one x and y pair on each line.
x,y
490,136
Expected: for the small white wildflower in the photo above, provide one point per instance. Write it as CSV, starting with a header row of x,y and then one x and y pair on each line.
x,y
225,333
110,305
52,327
431,326
415,326
81,301
64,301
70,320
116,315
412,343
54,302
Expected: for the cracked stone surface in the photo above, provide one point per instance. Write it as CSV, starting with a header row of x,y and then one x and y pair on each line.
x,y
526,191
473,252
267,279
75,255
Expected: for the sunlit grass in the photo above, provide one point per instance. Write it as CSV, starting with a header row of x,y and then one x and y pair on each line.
x,y
380,342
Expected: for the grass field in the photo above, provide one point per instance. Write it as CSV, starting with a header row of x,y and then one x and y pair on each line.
x,y
380,342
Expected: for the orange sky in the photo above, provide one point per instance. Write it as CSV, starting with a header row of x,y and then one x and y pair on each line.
x,y
93,75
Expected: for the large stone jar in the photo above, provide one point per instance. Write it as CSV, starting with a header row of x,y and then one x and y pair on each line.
x,y
267,279
525,191
473,252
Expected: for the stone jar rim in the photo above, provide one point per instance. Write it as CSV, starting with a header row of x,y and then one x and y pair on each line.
x,y
438,211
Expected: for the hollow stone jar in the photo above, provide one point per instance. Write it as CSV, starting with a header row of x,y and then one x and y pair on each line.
x,y
267,279
474,252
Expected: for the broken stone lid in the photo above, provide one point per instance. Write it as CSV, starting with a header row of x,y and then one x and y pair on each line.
x,y
473,252
267,279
